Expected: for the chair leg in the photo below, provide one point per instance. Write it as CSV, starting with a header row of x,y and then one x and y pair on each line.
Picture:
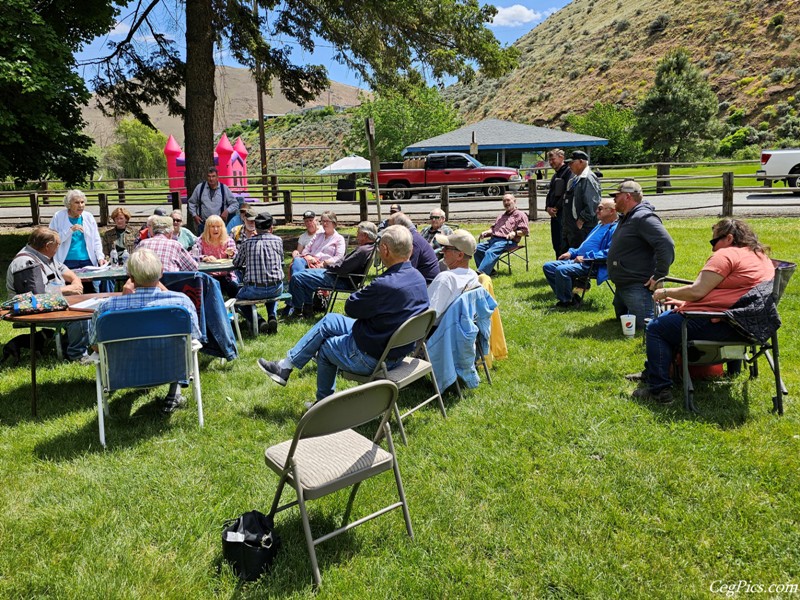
x,y
350,500
688,389
312,553
400,424
435,384
780,388
101,409
399,480
59,348
458,389
196,387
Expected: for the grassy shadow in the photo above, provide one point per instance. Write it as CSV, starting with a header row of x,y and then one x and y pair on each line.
x,y
54,400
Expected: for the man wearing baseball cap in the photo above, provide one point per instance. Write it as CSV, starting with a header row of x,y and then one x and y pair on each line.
x,y
641,252
261,259
312,228
580,203
458,249
242,232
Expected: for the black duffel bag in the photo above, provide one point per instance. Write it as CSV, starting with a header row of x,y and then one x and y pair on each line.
x,y
249,544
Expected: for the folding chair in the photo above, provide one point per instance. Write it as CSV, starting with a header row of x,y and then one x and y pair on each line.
x,y
411,368
285,297
326,455
584,283
142,348
347,284
519,251
706,352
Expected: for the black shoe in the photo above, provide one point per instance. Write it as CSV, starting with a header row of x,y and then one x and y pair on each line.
x,y
274,372
173,403
287,311
263,327
662,396
308,311
272,326
561,304
576,300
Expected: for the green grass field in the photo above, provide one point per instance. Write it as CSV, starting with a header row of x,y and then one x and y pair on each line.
x,y
551,483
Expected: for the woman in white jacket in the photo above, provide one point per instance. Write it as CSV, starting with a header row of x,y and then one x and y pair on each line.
x,y
81,245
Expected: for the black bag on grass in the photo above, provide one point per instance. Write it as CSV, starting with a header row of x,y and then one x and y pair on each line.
x,y
249,544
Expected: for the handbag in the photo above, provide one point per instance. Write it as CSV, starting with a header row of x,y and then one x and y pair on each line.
x,y
29,303
250,544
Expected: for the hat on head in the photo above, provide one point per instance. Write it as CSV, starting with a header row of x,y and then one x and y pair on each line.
x,y
251,214
460,239
263,221
394,208
309,214
160,212
578,155
629,186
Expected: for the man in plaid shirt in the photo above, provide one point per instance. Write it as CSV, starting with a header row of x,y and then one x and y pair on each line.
x,y
172,255
261,259
145,270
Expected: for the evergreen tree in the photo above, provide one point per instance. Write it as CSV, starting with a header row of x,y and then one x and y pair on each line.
x,y
678,116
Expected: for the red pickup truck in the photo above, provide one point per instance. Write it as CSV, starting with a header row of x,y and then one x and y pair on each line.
x,y
447,168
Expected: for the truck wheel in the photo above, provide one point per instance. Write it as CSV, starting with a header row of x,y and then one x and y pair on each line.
x,y
793,182
398,191
495,189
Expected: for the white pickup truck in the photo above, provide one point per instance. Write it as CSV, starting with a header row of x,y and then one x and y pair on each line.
x,y
780,165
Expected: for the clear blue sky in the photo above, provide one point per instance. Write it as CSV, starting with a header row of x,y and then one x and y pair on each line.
x,y
512,22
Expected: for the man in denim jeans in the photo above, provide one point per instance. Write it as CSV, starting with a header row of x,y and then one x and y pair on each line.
x,y
641,252
356,342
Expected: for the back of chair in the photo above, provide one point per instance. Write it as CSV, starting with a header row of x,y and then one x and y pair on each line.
x,y
144,347
783,273
347,409
413,330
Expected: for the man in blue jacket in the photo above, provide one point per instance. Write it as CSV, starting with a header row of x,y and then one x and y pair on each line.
x,y
356,342
576,262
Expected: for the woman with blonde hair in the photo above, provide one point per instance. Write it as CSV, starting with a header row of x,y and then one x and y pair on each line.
x,y
215,244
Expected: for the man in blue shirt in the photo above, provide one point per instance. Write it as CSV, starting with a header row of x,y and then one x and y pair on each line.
x,y
576,262
145,270
355,342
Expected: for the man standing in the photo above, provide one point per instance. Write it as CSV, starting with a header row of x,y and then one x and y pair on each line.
x,y
261,259
423,258
210,198
172,255
641,252
576,262
554,203
145,271
356,342
580,203
437,226
303,284
506,232
458,249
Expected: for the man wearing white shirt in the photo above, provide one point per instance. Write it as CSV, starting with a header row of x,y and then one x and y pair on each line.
x,y
458,249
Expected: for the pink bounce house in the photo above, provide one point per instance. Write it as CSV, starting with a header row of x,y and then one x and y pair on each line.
x,y
231,163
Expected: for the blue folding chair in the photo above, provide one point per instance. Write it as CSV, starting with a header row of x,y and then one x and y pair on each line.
x,y
142,348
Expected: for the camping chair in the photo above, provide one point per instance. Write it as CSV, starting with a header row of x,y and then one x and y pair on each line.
x,y
584,283
347,284
519,250
411,368
326,455
142,348
705,352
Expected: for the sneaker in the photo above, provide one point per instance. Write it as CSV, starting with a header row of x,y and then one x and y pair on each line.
x,y
173,403
287,311
89,359
309,405
576,300
263,327
272,326
662,396
635,376
274,372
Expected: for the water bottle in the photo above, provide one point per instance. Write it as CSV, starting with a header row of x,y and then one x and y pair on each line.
x,y
113,257
123,259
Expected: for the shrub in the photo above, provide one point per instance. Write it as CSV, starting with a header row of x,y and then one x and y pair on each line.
x,y
777,75
604,66
621,25
736,140
751,152
658,24
789,127
721,58
763,126
736,116
776,22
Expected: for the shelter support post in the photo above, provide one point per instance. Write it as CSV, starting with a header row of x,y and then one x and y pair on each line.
x,y
532,209
727,194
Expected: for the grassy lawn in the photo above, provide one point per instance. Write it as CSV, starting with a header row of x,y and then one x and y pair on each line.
x,y
704,176
551,483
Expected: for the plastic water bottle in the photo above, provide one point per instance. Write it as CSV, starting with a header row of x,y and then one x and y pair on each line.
x,y
123,259
113,257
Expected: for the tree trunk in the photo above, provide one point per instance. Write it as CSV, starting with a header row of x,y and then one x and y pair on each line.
x,y
198,126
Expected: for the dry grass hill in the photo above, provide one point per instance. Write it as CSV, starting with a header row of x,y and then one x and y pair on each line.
x,y
606,51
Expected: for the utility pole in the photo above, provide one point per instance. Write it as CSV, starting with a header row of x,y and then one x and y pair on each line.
x,y
262,144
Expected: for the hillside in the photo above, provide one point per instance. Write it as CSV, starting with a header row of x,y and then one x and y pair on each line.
x,y
606,51
236,100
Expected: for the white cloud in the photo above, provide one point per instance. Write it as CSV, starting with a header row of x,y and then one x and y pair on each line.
x,y
514,16
120,30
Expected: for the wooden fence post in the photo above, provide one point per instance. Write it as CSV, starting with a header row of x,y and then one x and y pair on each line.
x,y
287,206
102,199
175,197
727,194
34,198
44,188
121,191
445,201
363,207
273,181
662,170
532,209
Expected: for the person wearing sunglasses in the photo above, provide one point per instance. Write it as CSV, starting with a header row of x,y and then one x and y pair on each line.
x,y
737,277
436,227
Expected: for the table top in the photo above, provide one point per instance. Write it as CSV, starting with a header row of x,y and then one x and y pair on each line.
x,y
121,273
59,315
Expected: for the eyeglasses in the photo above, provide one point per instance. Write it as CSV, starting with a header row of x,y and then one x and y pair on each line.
x,y
177,220
717,239
445,248
435,217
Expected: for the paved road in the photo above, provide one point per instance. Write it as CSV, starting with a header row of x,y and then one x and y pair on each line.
x,y
477,208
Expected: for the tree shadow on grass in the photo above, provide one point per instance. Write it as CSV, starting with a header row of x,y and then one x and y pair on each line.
x,y
123,428
532,283
608,329
54,400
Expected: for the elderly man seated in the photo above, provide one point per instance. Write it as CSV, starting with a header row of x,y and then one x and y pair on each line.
x,y
423,258
506,232
437,226
356,342
303,284
145,270
35,269
169,251
576,262
458,248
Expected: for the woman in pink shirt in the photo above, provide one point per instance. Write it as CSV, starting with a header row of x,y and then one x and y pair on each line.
x,y
738,264
213,245
324,249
